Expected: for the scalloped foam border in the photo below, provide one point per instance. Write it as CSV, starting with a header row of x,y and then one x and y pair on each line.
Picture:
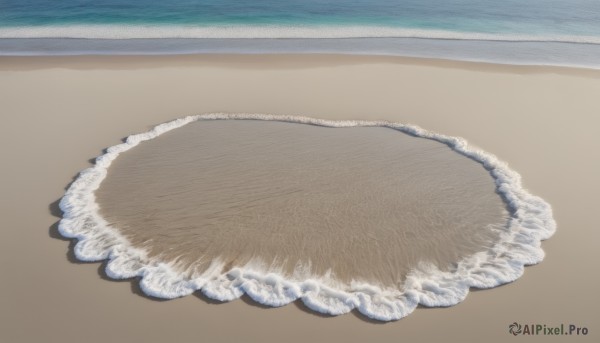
x,y
530,222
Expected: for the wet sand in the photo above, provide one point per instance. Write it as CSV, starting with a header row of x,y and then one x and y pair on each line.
x,y
60,112
364,204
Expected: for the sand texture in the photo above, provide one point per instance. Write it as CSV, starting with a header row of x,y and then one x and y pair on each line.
x,y
59,113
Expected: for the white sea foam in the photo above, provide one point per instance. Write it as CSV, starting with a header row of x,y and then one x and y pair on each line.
x,y
519,245
271,31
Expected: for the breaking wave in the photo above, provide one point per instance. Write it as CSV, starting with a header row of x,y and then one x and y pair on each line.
x,y
272,31
519,245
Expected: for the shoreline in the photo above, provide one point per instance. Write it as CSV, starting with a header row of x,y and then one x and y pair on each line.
x,y
524,53
61,112
272,61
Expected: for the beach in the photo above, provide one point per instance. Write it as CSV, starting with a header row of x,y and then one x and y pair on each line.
x,y
61,112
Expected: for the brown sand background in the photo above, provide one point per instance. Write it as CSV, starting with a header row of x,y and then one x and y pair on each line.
x,y
57,113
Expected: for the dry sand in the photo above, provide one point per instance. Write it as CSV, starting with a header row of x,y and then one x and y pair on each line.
x,y
58,113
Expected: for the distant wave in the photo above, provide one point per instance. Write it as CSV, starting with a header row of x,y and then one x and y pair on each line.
x,y
530,222
240,31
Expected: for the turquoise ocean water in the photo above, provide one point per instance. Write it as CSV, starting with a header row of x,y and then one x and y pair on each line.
x,y
537,31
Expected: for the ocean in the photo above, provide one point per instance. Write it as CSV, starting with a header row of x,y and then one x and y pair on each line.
x,y
544,32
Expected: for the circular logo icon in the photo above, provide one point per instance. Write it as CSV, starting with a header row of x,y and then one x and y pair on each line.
x,y
514,328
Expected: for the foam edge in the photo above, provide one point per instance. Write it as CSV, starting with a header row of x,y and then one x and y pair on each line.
x,y
519,245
